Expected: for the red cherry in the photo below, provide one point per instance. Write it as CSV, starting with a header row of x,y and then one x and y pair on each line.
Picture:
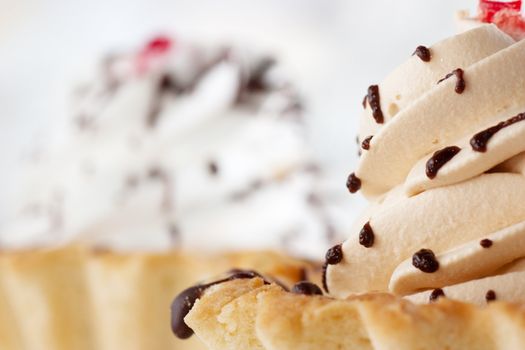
x,y
159,44
488,8
156,47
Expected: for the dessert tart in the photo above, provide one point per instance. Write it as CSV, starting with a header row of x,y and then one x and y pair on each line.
x,y
179,161
437,260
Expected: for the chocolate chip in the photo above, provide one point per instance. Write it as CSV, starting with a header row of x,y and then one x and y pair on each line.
x,y
366,236
485,243
436,294
366,142
334,255
353,183
425,260
490,296
439,159
306,288
423,53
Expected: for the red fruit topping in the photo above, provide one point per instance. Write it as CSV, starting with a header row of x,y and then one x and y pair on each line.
x,y
159,44
511,22
488,8
156,47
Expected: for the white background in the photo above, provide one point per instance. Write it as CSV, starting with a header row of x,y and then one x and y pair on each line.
x,y
333,48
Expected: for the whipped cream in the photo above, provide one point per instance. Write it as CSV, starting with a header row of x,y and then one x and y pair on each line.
x,y
179,145
446,176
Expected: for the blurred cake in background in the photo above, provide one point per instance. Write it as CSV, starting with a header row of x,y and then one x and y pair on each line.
x,y
179,145
179,162
506,15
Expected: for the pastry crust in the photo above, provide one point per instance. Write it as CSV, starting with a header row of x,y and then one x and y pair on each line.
x,y
267,317
79,298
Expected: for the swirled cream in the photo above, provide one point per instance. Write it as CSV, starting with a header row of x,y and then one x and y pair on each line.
x,y
179,145
446,174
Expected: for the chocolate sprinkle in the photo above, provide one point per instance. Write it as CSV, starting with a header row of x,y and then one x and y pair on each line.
x,y
184,302
366,236
439,159
366,142
213,168
480,140
306,288
490,296
334,255
485,243
423,53
353,183
374,101
460,81
425,260
436,294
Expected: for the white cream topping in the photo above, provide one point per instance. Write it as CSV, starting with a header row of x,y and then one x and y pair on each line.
x,y
223,165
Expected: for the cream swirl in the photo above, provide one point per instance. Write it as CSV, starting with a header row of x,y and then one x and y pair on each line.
x,y
446,171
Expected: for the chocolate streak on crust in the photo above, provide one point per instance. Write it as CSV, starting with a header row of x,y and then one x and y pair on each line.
x,y
184,302
480,140
325,285
460,82
375,105
439,159
423,53
306,288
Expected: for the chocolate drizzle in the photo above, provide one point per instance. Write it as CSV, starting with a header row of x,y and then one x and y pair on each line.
x,y
423,53
364,101
460,81
436,294
480,140
366,236
425,260
375,105
485,243
366,142
334,255
306,288
490,296
325,285
184,302
353,183
439,159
